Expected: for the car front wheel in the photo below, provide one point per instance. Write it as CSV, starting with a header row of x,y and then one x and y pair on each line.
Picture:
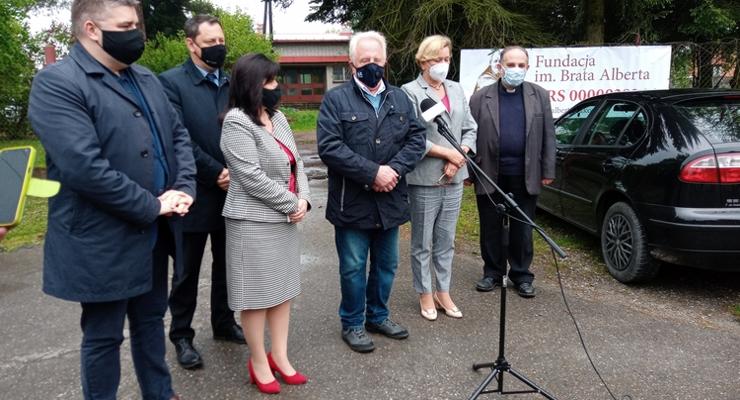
x,y
624,245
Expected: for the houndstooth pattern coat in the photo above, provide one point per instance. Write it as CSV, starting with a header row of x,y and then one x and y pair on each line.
x,y
263,251
260,170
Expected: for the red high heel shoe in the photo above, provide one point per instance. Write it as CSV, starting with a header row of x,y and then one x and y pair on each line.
x,y
295,379
269,388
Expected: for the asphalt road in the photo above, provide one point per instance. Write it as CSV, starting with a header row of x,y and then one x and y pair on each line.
x,y
640,352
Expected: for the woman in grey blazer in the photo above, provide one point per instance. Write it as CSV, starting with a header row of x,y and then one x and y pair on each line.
x,y
436,184
268,195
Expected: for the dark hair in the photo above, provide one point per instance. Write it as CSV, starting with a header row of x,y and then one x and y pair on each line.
x,y
513,47
192,25
248,76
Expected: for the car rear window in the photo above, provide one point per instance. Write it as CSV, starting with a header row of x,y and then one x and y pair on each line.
x,y
718,118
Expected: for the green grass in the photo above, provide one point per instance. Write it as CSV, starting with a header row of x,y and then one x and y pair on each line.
x,y
32,228
40,153
736,311
301,120
467,223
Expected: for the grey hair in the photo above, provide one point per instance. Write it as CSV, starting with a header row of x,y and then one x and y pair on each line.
x,y
369,35
192,25
82,10
509,48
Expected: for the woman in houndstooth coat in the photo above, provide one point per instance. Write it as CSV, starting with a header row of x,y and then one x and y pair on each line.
x,y
268,195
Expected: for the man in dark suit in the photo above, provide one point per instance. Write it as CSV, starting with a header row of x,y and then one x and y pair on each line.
x,y
124,161
516,148
199,89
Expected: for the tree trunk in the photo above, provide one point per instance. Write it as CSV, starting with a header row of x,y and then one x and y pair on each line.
x,y
594,19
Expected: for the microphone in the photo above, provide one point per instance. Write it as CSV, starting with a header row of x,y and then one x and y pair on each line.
x,y
431,111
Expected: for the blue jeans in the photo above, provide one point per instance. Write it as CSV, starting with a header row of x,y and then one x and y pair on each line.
x,y
365,294
102,334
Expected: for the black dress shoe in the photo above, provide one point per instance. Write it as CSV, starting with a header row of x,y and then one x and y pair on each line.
x,y
232,334
526,290
187,356
358,340
388,328
487,284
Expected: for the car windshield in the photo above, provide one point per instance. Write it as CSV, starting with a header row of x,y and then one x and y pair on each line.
x,y
718,118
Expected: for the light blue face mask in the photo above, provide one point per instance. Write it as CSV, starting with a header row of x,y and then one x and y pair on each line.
x,y
514,77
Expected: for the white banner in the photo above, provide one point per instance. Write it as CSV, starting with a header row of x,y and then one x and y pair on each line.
x,y
572,74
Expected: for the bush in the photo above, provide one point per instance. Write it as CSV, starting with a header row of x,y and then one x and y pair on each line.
x,y
163,52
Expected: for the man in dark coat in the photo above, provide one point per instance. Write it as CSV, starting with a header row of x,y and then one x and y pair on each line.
x,y
369,138
199,90
516,148
124,161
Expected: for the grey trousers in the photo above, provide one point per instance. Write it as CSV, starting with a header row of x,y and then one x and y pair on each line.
x,y
434,212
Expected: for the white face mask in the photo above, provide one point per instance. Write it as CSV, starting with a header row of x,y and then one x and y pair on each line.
x,y
439,71
514,76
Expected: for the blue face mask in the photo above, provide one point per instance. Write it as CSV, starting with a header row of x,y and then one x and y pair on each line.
x,y
514,77
370,74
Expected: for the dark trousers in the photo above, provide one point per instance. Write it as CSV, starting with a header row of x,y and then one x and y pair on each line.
x,y
102,334
184,294
520,250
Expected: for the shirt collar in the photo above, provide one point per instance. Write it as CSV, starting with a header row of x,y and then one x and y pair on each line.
x,y
364,88
204,72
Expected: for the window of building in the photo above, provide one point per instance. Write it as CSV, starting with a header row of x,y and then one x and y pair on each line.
x,y
341,73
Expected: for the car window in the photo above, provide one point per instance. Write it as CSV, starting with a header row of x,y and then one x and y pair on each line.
x,y
610,123
717,118
635,130
566,130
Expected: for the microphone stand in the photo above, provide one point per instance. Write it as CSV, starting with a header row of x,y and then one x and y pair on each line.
x,y
501,365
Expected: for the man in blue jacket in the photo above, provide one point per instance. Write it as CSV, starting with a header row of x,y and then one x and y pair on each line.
x,y
369,138
199,91
124,161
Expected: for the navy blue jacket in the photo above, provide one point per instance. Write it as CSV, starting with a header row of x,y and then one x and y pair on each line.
x,y
199,103
353,143
99,146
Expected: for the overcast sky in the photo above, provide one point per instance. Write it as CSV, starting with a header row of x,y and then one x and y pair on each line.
x,y
289,21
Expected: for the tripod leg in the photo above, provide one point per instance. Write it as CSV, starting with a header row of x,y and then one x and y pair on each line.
x,y
484,384
531,384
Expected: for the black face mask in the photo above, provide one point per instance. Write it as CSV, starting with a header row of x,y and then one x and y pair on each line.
x,y
271,97
213,56
370,74
125,46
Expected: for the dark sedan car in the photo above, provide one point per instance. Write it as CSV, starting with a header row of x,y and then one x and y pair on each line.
x,y
656,174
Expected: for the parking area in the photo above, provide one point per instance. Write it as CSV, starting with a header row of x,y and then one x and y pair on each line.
x,y
657,341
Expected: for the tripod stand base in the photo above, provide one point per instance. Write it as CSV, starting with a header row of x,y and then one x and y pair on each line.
x,y
498,369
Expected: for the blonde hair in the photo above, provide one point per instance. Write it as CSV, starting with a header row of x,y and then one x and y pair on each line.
x,y
431,46
369,35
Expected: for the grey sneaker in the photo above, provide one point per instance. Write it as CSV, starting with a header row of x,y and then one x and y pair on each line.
x,y
358,340
388,328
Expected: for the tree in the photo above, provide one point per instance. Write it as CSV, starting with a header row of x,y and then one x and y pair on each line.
x,y
16,66
164,16
469,23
